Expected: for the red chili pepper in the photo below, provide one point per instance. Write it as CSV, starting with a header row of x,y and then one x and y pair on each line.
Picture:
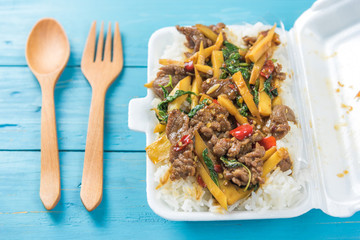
x,y
189,66
267,69
231,86
268,142
184,141
201,181
218,168
242,131
215,101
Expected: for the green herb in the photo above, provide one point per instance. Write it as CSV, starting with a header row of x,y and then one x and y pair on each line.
x,y
223,73
230,163
274,60
256,96
195,109
233,164
257,84
256,187
231,47
188,99
210,166
245,72
170,82
272,92
244,64
162,106
244,110
243,107
166,92
234,62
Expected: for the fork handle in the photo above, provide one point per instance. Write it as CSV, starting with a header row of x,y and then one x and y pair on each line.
x,y
50,169
92,178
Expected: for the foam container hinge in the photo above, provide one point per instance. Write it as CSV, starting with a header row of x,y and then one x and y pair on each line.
x,y
323,49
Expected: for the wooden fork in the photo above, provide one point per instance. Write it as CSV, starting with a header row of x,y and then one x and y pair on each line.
x,y
100,70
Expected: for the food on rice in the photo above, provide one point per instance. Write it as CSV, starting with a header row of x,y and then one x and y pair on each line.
x,y
221,119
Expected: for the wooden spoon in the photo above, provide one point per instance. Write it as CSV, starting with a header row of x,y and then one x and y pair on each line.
x,y
47,52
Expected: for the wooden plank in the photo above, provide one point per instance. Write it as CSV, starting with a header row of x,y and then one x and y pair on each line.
x,y
137,21
20,105
124,210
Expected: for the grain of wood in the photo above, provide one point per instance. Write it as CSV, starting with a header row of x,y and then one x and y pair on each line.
x,y
101,70
47,52
123,211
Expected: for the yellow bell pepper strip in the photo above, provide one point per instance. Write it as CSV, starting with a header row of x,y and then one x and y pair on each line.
x,y
271,163
262,46
264,100
196,88
184,85
276,101
230,107
207,32
247,96
201,54
171,62
268,153
205,69
149,84
159,128
213,188
217,60
256,69
159,150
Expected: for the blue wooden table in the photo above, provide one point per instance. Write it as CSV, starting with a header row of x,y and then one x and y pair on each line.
x,y
124,212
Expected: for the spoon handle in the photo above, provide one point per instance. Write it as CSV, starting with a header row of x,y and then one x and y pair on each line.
x,y
50,170
92,178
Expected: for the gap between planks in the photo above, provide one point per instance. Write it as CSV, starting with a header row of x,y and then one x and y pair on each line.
x,y
71,150
68,66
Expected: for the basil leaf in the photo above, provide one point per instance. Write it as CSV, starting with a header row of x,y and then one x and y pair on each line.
x,y
166,92
267,86
197,108
162,106
230,163
170,82
230,46
233,164
244,110
210,166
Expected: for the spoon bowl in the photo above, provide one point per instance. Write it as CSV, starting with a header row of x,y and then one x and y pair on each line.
x,y
47,48
47,52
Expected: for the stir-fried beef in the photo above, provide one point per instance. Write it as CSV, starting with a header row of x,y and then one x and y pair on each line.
x,y
240,160
279,117
183,164
285,164
214,87
234,148
277,74
177,126
212,119
222,146
217,28
253,162
194,38
177,73
249,41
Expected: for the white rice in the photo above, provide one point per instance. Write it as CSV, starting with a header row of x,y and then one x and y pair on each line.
x,y
282,190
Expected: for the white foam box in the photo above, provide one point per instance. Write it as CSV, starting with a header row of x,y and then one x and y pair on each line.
x,y
322,50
